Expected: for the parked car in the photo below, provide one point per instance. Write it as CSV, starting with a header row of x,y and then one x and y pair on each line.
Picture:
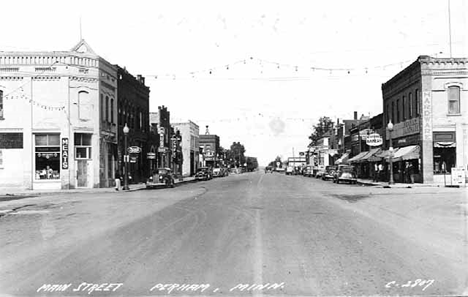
x,y
329,172
319,171
290,170
345,173
307,171
268,169
220,172
204,173
280,170
160,177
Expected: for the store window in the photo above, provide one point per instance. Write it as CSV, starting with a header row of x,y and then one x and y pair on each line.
x,y
82,146
454,100
444,152
47,156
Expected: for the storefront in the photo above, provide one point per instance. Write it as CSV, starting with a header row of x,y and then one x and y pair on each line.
x,y
46,161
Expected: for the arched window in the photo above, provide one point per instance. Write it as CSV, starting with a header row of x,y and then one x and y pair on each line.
x,y
453,99
84,106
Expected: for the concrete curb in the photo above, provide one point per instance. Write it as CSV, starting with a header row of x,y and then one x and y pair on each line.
x,y
7,196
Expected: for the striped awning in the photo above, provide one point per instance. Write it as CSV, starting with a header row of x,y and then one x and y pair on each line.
x,y
410,152
356,158
371,153
342,160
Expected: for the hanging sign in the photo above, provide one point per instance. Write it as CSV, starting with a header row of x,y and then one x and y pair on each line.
x,y
64,153
134,150
151,155
374,139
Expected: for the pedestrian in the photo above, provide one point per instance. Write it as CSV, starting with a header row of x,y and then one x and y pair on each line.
x,y
381,170
117,181
410,171
376,172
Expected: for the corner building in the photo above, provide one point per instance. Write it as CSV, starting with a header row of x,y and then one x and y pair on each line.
x,y
58,119
427,103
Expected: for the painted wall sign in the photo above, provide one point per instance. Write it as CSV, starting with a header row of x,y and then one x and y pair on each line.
x,y
427,116
405,128
64,153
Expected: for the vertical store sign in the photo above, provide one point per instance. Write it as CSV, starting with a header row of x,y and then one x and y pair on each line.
x,y
427,116
64,153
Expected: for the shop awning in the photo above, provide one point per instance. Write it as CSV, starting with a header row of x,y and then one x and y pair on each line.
x,y
356,158
406,153
343,159
445,144
381,155
371,153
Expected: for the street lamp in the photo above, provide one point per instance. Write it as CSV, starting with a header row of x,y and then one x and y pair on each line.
x,y
126,156
390,129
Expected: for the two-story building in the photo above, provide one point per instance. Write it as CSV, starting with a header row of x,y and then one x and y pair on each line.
x,y
190,144
58,119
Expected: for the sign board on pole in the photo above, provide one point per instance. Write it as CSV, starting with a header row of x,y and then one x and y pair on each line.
x,y
151,155
374,139
134,150
458,177
162,149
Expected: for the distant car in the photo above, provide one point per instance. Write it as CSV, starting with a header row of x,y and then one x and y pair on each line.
x,y
290,170
329,172
268,169
217,172
204,173
280,170
307,171
345,173
319,171
160,177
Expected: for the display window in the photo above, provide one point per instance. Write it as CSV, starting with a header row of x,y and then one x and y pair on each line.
x,y
47,156
444,159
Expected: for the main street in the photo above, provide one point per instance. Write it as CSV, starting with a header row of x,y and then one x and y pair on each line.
x,y
290,234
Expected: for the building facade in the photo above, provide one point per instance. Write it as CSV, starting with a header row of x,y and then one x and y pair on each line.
x,y
160,121
209,145
133,110
190,143
54,131
426,104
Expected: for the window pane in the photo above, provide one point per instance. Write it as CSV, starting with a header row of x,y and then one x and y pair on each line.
x,y
1,104
454,99
47,166
86,139
41,139
78,138
54,139
454,107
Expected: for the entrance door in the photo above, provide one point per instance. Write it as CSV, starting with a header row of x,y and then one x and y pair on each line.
x,y
82,173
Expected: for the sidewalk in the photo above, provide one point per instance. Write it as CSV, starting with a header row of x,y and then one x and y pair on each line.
x,y
369,182
11,194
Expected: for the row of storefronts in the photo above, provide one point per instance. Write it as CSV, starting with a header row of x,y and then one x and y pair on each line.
x,y
423,127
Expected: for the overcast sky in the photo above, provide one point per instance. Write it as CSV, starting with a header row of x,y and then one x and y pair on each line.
x,y
276,66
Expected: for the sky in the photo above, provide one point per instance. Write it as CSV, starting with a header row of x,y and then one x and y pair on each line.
x,y
257,72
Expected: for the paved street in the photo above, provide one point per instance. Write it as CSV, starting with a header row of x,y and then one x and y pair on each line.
x,y
290,235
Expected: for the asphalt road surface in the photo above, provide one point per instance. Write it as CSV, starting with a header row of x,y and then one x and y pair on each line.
x,y
248,234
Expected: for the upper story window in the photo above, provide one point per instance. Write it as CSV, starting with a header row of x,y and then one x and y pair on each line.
x,y
417,103
453,99
112,111
410,105
397,111
404,111
84,106
107,109
1,105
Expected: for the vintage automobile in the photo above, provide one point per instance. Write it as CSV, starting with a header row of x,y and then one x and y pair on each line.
x,y
161,177
268,169
220,172
290,170
319,170
345,173
329,172
307,171
204,173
